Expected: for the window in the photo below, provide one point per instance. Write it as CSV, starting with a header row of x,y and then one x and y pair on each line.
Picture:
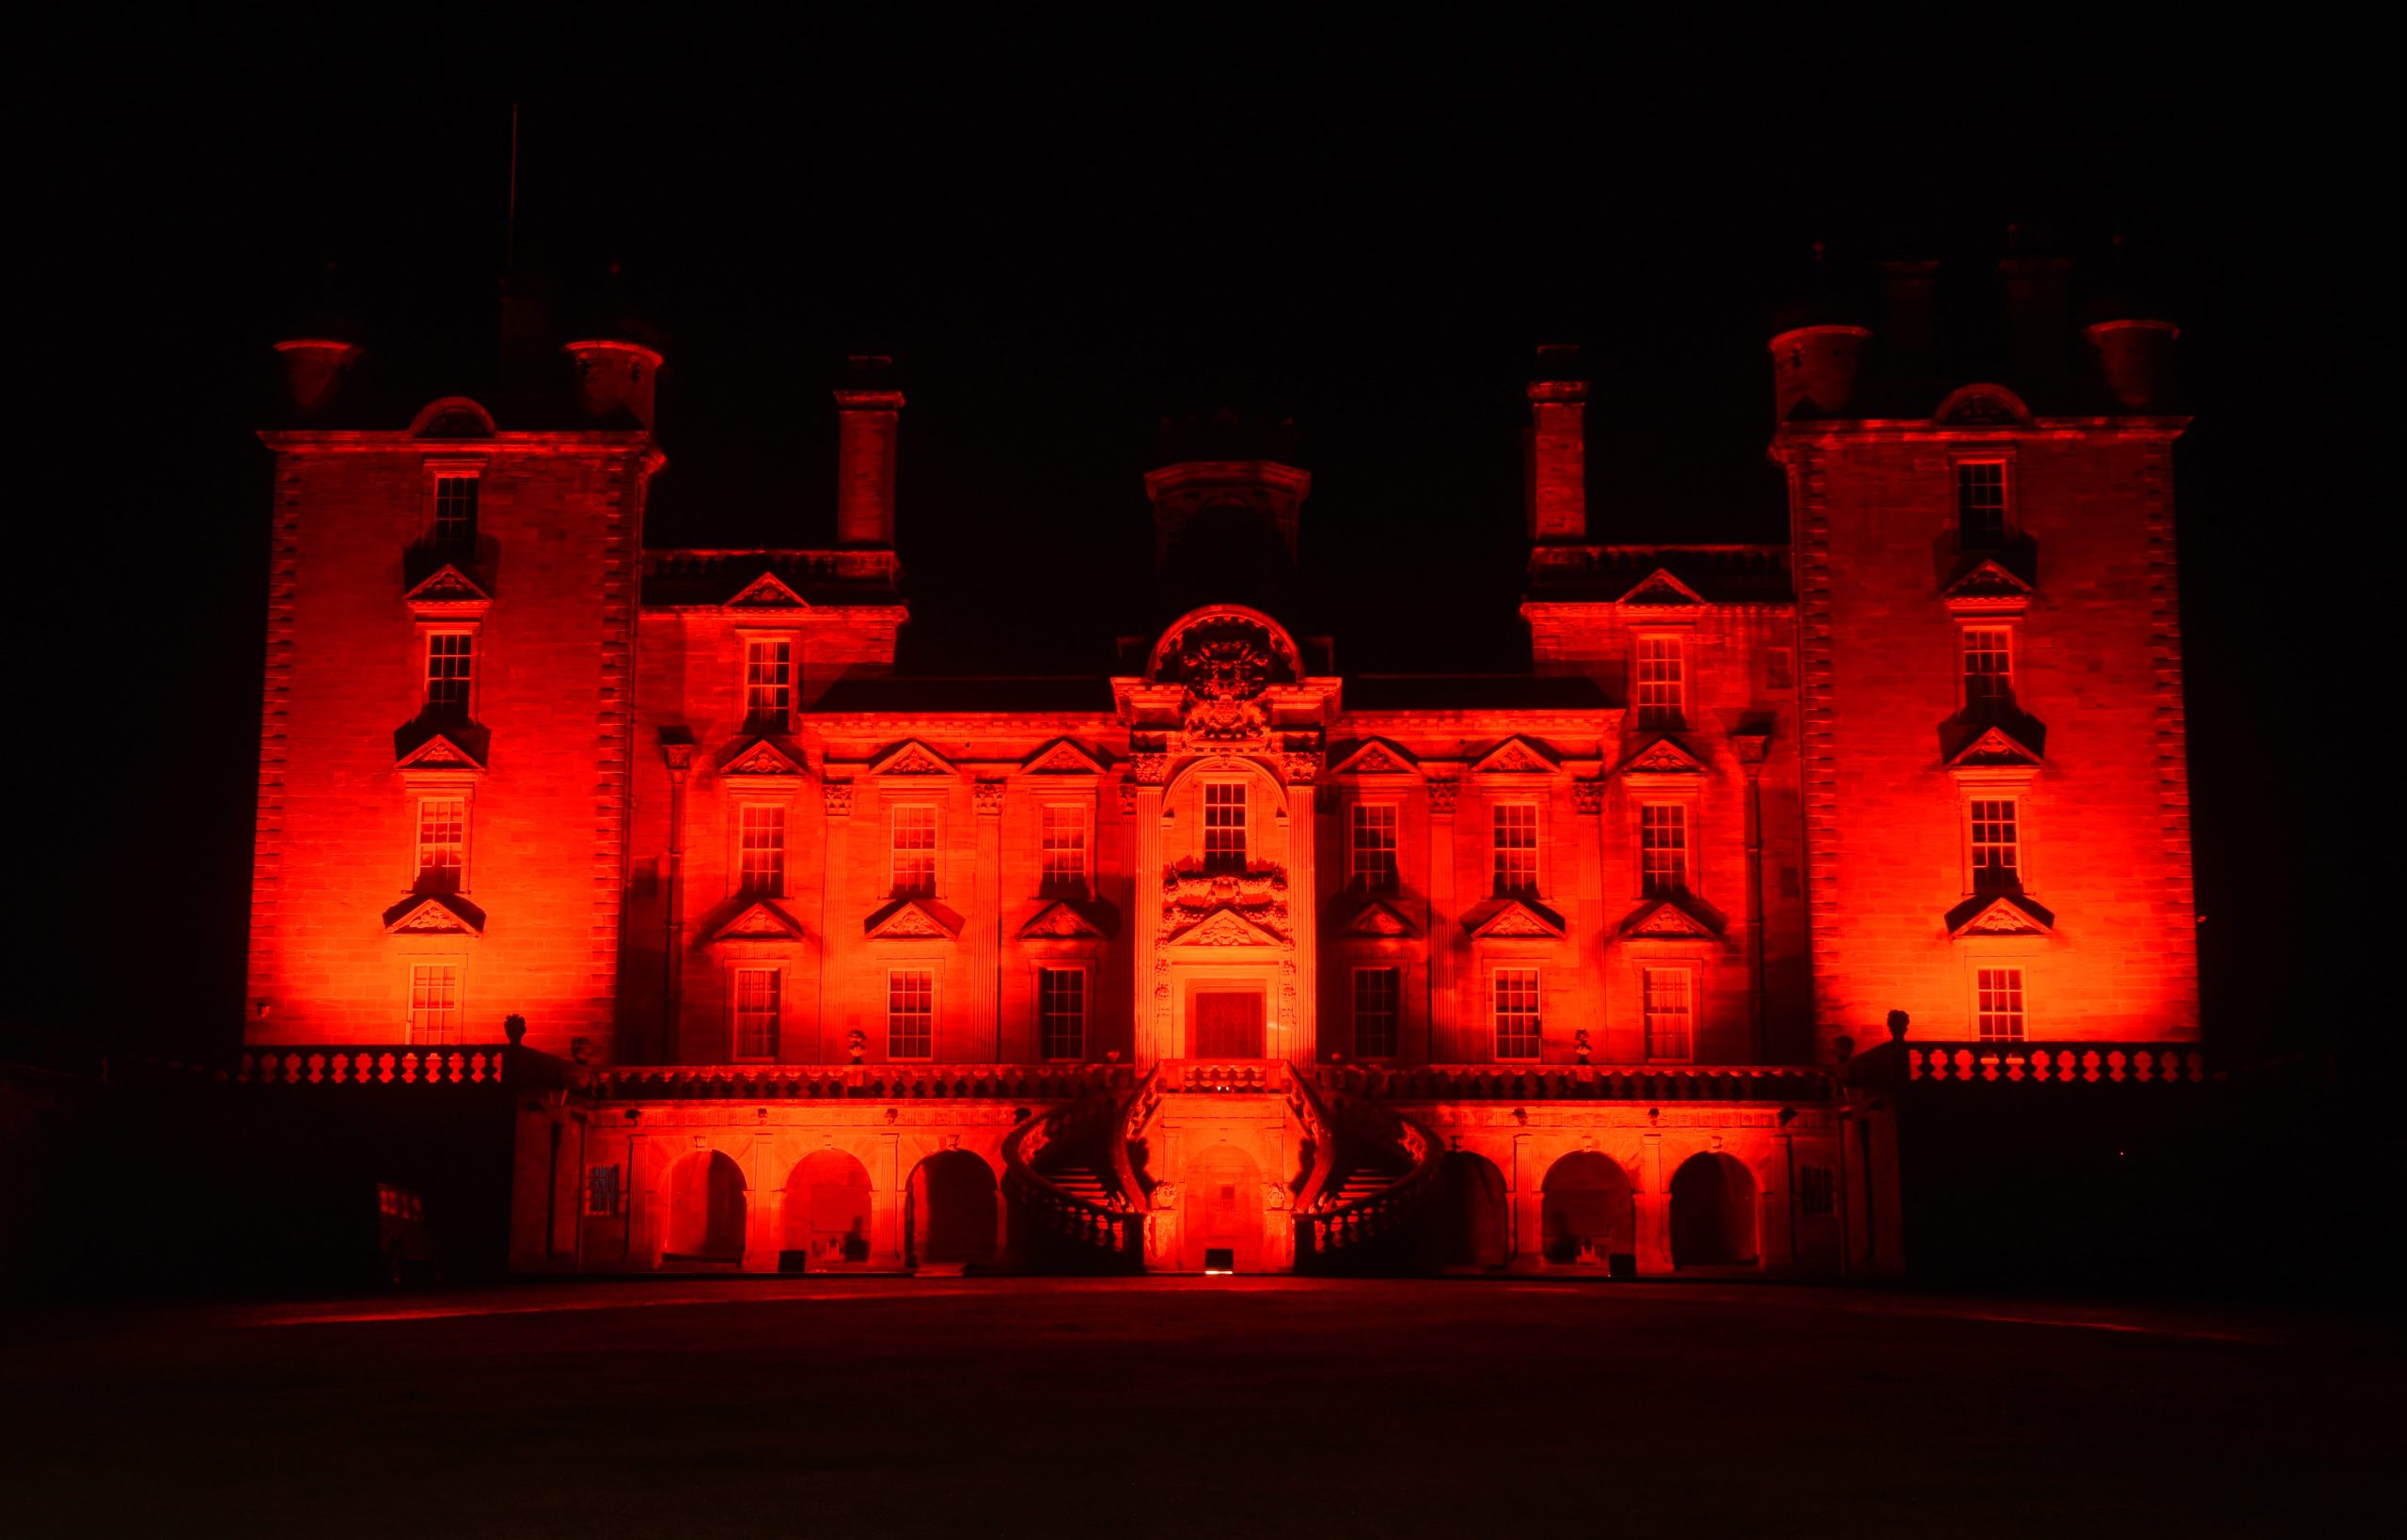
x,y
1988,665
915,850
1980,504
1997,858
1372,858
1516,993
768,684
1662,683
1061,1011
756,1012
434,1002
455,511
760,850
1662,849
1224,825
1669,1007
1999,1004
1377,993
1817,1192
441,842
1065,848
910,1013
451,663
602,1192
1516,848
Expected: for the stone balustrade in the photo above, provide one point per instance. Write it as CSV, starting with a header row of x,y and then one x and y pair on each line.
x,y
884,1082
352,1065
2056,1063
1581,1082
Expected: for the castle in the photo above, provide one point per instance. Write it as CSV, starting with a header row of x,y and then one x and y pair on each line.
x,y
1233,960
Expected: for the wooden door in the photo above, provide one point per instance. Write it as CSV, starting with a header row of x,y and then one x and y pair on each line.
x,y
1228,1025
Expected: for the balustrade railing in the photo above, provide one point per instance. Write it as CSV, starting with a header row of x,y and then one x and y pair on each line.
x,y
1107,1227
1571,1082
1334,1227
2056,1063
886,1082
376,1065
1253,1075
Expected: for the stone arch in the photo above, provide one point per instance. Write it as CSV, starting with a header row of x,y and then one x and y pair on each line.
x,y
452,416
1475,1221
948,1211
1222,764
827,1211
706,1208
1980,404
1586,1213
1713,1213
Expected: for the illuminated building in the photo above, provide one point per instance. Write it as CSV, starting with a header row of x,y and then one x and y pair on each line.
x,y
1235,959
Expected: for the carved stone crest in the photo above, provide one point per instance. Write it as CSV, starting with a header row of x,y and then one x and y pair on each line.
x,y
839,797
989,797
1442,794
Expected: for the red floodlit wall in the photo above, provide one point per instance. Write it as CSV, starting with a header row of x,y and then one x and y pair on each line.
x,y
539,754
2096,756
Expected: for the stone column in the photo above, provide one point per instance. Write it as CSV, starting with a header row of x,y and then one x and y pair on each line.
x,y
1443,1001
837,796
986,925
1152,1023
1654,1203
1299,992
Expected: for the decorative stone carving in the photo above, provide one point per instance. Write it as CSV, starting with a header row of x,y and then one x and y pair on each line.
x,y
838,795
913,760
1442,794
1166,1194
1302,769
1149,769
1275,1198
1513,756
1258,896
988,795
1663,757
1588,796
766,592
762,758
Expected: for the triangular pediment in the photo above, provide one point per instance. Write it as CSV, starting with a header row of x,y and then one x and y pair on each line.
x,y
1663,757
1517,756
1379,921
1994,748
912,920
2000,914
1060,920
911,757
1986,580
1062,757
448,589
766,592
1376,757
435,914
1514,919
759,921
1660,588
1224,927
761,758
1667,919
439,751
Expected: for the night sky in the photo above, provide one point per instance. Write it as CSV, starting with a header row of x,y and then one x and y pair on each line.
x,y
1067,228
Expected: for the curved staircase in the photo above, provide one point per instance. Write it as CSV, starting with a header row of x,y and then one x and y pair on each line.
x,y
1067,1171
1361,1211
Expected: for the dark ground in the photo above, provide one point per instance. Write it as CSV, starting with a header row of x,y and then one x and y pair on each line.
x,y
1199,1408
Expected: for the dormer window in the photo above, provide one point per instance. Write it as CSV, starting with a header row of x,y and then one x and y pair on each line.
x,y
1980,504
1224,809
455,512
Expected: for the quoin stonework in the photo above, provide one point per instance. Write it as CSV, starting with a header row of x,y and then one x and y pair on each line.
x,y
1233,960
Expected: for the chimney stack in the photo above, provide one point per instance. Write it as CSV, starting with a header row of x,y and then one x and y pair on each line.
x,y
313,371
1558,446
2038,319
867,410
615,379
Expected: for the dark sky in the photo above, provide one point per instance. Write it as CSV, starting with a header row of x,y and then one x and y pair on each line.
x,y
1067,227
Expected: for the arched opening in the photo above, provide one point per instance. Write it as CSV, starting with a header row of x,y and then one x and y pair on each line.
x,y
827,1219
1713,1213
706,1193
1476,1217
1585,1214
950,1213
1221,1212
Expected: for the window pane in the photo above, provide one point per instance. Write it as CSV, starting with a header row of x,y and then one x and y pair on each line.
x,y
449,659
1988,665
1980,503
434,1002
1996,842
762,840
1374,858
1663,848
1224,804
1516,848
756,1012
1517,1012
1662,683
1377,994
442,842
910,1013
1061,1011
1999,1004
1669,1007
455,510
915,852
1065,849
768,684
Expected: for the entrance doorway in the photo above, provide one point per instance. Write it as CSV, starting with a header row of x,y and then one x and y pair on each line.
x,y
1228,1024
1222,1210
